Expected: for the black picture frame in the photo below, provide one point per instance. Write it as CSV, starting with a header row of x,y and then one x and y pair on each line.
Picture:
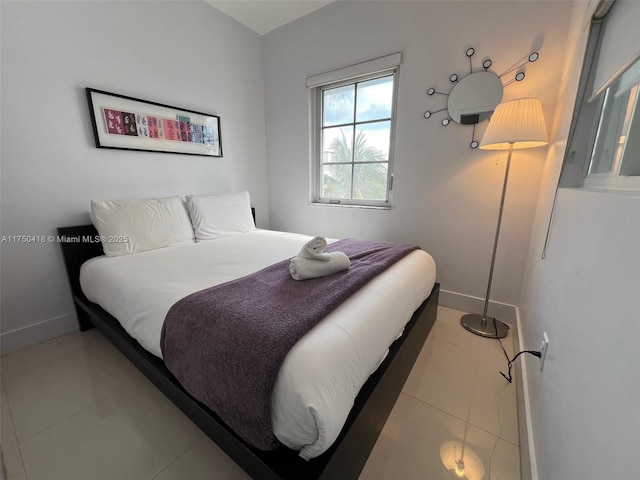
x,y
128,123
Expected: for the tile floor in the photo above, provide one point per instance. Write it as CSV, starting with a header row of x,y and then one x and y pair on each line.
x,y
74,409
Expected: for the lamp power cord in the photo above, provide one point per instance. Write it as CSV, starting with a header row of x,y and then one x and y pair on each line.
x,y
510,361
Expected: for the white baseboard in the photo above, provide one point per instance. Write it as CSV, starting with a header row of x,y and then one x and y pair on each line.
x,y
467,303
528,465
37,333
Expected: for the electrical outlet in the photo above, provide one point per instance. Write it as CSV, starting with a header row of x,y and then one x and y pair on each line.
x,y
544,348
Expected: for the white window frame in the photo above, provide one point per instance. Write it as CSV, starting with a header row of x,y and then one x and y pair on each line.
x,y
369,70
613,178
604,52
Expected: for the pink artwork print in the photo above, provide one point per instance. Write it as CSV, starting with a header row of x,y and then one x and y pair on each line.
x,y
113,121
171,129
153,127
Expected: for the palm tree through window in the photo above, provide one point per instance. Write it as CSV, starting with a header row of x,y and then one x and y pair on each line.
x,y
355,140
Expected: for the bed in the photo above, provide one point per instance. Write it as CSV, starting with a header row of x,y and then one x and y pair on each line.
x,y
335,450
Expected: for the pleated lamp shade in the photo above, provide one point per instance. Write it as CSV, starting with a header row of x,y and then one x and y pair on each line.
x,y
519,123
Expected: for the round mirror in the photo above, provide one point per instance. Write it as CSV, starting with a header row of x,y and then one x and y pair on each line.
x,y
474,98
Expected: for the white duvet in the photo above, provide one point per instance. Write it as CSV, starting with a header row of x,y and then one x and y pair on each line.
x,y
324,371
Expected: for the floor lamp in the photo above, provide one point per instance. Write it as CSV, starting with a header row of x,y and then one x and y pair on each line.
x,y
514,125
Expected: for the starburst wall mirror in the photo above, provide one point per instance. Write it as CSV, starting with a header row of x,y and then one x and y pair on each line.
x,y
473,98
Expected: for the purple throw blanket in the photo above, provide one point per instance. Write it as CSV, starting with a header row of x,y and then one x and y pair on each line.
x,y
225,344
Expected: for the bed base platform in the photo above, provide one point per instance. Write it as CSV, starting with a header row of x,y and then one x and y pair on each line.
x,y
344,460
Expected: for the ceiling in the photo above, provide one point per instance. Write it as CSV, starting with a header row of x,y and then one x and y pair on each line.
x,y
262,16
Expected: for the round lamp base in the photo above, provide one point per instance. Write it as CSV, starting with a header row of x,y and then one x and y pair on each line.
x,y
489,327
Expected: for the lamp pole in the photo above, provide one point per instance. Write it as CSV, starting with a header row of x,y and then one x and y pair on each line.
x,y
477,323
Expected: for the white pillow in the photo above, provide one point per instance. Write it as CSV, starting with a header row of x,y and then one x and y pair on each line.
x,y
216,216
131,226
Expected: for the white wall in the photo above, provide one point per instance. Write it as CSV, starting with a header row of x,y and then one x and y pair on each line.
x,y
446,195
179,53
584,294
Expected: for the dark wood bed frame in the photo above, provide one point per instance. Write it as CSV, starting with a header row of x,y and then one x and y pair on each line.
x,y
344,460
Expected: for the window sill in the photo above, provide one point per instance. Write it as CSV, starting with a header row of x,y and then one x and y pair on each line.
x,y
346,205
613,184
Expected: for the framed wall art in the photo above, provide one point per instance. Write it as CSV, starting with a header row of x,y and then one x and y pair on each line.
x,y
132,124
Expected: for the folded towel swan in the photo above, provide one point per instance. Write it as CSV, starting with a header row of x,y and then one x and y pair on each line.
x,y
313,249
312,262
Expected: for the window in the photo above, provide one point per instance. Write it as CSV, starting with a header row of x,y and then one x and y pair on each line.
x,y
616,147
604,142
352,136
